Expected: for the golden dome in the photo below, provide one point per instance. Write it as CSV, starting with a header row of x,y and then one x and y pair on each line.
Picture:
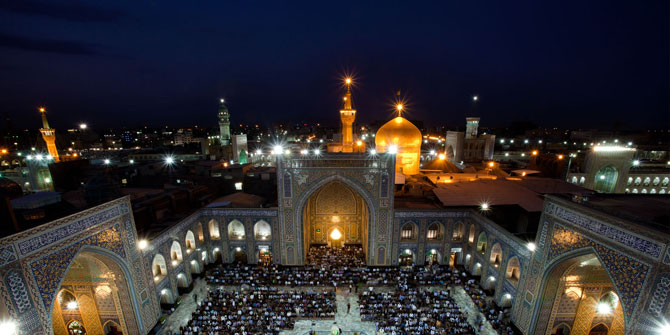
x,y
406,138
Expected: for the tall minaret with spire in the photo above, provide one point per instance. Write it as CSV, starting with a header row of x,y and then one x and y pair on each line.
x,y
224,123
49,135
347,115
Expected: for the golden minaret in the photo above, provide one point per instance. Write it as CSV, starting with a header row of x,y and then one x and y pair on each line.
x,y
347,115
49,135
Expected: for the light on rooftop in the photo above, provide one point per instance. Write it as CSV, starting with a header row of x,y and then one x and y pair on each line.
x,y
83,126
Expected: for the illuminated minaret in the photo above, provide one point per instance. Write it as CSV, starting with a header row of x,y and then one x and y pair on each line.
x,y
49,135
347,115
224,124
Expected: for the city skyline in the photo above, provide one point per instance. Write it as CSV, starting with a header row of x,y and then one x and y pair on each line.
x,y
596,64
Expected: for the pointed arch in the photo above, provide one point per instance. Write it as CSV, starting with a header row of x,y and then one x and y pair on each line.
x,y
189,241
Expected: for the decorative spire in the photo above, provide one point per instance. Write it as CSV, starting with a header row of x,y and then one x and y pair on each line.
x,y
399,107
45,123
347,97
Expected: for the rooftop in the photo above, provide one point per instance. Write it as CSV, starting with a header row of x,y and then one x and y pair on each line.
x,y
651,211
527,193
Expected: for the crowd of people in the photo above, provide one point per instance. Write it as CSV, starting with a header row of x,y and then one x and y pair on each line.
x,y
263,310
413,311
349,256
498,317
400,305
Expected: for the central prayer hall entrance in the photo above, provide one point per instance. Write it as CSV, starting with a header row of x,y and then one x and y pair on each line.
x,y
335,225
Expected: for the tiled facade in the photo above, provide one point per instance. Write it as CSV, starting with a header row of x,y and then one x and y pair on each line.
x,y
33,263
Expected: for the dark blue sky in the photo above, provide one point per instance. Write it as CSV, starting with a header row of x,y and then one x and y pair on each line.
x,y
111,63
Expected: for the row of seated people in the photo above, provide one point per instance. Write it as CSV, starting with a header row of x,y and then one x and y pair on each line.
x,y
413,311
349,256
276,275
498,317
261,311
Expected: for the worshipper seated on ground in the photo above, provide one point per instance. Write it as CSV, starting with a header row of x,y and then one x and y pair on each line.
x,y
413,312
262,310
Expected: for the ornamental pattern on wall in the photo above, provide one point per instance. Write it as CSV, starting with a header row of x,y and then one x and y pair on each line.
x,y
627,273
49,269
640,244
41,240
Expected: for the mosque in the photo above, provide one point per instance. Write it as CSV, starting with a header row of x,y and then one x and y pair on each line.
x,y
595,262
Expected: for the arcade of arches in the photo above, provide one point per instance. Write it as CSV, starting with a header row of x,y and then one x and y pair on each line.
x,y
93,299
335,215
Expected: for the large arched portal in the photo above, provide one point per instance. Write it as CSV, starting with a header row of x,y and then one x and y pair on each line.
x,y
93,297
335,215
579,296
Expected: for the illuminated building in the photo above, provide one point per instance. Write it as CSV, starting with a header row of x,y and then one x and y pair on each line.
x,y
224,123
469,146
49,136
619,169
402,138
346,141
561,260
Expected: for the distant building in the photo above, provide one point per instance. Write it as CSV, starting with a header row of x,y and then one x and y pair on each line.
x,y
49,136
240,148
224,123
618,169
469,146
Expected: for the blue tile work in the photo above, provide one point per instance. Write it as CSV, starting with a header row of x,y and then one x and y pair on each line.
x,y
627,274
48,270
626,238
7,254
287,185
17,295
41,240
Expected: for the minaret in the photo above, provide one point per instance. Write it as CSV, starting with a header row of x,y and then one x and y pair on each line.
x,y
49,135
347,115
224,124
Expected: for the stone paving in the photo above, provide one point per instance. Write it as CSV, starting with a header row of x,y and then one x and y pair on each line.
x,y
350,323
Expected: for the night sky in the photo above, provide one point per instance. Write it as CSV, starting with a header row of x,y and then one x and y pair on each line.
x,y
574,64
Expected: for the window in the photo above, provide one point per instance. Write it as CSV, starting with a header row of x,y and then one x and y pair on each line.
x,y
481,243
407,232
496,255
158,267
175,253
433,231
262,230
513,270
214,230
189,241
236,230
